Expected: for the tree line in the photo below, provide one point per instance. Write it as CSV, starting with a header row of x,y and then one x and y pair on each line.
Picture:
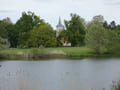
x,y
32,31
29,31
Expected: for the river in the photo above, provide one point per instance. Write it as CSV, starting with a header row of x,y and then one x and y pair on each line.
x,y
59,74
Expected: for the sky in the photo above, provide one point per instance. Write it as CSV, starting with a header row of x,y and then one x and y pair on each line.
x,y
50,10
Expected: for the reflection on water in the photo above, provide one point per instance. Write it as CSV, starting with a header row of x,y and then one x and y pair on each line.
x,y
59,74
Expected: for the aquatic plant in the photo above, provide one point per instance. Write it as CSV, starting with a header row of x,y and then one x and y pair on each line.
x,y
115,85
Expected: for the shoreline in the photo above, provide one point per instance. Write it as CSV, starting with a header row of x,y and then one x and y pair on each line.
x,y
52,53
49,57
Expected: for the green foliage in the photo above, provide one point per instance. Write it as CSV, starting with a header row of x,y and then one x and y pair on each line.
x,y
101,38
114,42
27,22
7,31
72,52
63,36
76,30
118,27
111,26
3,29
2,44
42,35
96,37
36,52
12,35
31,31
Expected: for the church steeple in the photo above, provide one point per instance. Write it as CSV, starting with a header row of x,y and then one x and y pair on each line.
x,y
59,23
59,27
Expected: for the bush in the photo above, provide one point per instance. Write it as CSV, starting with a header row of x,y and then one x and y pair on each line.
x,y
37,52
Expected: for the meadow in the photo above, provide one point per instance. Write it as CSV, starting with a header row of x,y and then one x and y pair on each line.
x,y
60,52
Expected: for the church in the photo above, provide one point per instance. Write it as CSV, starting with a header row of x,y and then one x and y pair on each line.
x,y
60,27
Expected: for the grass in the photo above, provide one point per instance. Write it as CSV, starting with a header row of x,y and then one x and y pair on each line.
x,y
74,51
69,52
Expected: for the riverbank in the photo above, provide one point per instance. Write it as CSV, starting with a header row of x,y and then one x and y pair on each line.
x,y
40,53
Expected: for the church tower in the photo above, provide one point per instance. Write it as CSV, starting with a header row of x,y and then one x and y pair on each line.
x,y
59,27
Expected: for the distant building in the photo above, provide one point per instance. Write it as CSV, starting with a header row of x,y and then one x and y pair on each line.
x,y
59,27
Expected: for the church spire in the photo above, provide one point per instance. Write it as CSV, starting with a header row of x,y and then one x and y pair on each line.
x,y
59,23
59,27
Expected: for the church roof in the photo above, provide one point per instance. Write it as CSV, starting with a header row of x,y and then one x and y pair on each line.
x,y
59,23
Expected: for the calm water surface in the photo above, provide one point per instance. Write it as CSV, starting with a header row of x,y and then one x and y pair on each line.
x,y
59,74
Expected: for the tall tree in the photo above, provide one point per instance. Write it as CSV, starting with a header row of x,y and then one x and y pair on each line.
x,y
96,37
27,22
76,30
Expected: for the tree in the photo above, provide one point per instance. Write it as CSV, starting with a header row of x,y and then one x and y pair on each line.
x,y
63,36
42,35
76,30
112,25
114,42
7,31
12,36
96,37
118,27
100,39
98,19
105,25
27,22
3,30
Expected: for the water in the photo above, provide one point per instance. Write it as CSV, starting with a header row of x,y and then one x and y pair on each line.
x,y
59,74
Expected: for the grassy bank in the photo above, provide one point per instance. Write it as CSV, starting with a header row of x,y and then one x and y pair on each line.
x,y
38,53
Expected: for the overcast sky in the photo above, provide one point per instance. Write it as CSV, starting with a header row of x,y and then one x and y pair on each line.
x,y
50,10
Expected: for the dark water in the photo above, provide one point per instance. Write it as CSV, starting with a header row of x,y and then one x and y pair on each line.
x,y
59,74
